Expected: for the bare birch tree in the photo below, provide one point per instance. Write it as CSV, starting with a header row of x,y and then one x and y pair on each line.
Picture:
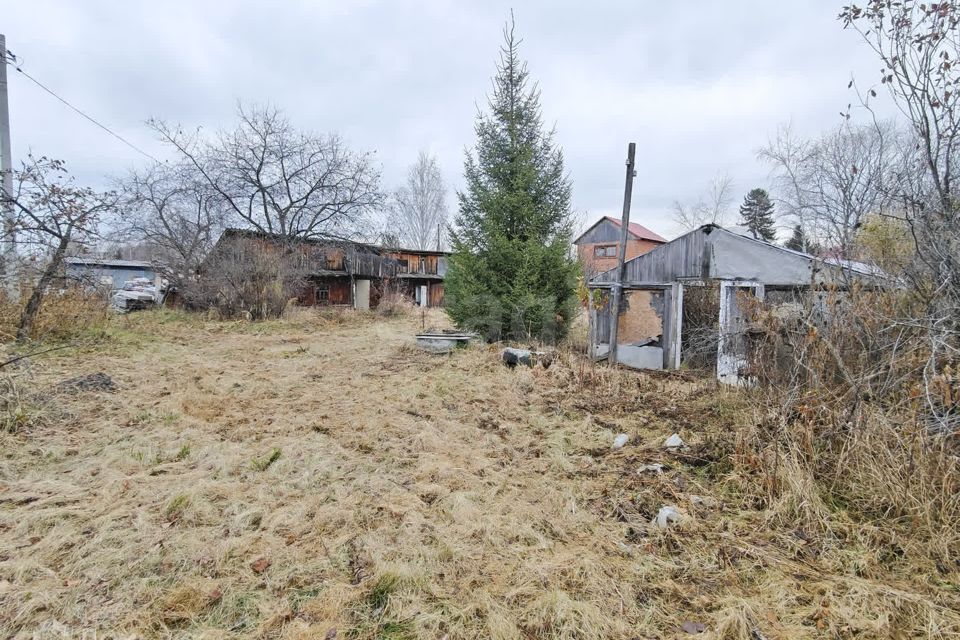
x,y
275,179
710,207
418,212
831,184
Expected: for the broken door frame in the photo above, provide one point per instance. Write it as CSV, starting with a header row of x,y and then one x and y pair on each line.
x,y
729,362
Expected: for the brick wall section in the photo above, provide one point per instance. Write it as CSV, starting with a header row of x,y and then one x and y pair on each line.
x,y
593,265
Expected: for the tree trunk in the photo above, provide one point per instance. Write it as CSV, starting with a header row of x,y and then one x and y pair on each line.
x,y
36,297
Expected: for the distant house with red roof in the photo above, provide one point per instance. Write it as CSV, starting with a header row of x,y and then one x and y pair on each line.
x,y
597,246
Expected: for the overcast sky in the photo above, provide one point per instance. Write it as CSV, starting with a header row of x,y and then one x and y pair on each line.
x,y
699,86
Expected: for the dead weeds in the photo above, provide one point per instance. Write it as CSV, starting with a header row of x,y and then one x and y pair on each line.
x,y
363,489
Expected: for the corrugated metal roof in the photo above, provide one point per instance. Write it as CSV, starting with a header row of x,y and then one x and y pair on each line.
x,y
103,262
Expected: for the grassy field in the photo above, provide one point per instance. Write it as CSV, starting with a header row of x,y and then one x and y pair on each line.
x,y
318,477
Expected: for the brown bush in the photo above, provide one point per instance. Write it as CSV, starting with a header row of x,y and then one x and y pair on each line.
x,y
63,315
247,279
846,442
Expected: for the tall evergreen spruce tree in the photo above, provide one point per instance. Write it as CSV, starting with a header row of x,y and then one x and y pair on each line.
x,y
756,214
511,274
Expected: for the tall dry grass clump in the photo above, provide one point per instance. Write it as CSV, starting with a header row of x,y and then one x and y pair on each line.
x,y
63,314
856,435
393,303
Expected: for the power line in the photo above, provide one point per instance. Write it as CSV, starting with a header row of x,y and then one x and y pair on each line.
x,y
12,59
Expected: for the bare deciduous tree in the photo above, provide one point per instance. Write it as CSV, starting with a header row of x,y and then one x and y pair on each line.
x,y
276,179
919,46
418,213
831,184
710,207
51,212
174,210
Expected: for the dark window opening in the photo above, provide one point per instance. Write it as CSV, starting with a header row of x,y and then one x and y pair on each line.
x,y
605,251
322,294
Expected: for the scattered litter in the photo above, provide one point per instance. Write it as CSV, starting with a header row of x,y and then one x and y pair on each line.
x,y
620,441
704,501
666,516
656,467
627,549
92,382
693,628
674,442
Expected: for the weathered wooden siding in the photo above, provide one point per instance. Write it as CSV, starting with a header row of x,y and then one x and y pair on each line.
x,y
339,292
436,295
605,232
684,257
738,258
419,262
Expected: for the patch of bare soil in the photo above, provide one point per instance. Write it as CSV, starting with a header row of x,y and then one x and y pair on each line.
x,y
319,477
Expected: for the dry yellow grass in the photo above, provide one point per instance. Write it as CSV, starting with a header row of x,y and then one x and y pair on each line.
x,y
317,473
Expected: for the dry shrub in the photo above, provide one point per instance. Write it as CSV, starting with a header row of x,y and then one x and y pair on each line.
x,y
63,315
393,303
699,334
243,278
845,445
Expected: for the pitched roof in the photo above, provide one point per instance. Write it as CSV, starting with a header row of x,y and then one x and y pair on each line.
x,y
636,230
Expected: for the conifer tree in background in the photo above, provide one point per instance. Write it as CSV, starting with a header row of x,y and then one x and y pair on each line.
x,y
798,239
756,213
511,274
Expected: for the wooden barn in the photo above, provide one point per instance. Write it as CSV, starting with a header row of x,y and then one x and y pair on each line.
x,y
597,247
341,272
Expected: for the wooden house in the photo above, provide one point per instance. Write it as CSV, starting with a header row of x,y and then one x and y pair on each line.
x,y
597,247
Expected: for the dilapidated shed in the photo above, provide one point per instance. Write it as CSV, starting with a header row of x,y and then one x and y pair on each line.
x,y
712,268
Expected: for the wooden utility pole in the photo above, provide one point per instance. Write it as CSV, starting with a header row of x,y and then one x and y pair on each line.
x,y
617,288
8,252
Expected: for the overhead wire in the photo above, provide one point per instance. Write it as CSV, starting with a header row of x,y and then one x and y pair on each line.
x,y
11,59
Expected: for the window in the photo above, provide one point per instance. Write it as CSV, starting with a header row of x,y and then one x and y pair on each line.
x,y
321,293
403,265
605,251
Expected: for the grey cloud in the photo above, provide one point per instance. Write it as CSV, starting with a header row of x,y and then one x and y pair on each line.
x,y
699,86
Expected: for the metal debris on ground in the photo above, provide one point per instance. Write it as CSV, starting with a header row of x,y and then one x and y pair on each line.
x,y
512,357
443,341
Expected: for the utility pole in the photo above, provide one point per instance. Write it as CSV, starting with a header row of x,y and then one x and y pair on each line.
x,y
9,252
617,289
438,238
